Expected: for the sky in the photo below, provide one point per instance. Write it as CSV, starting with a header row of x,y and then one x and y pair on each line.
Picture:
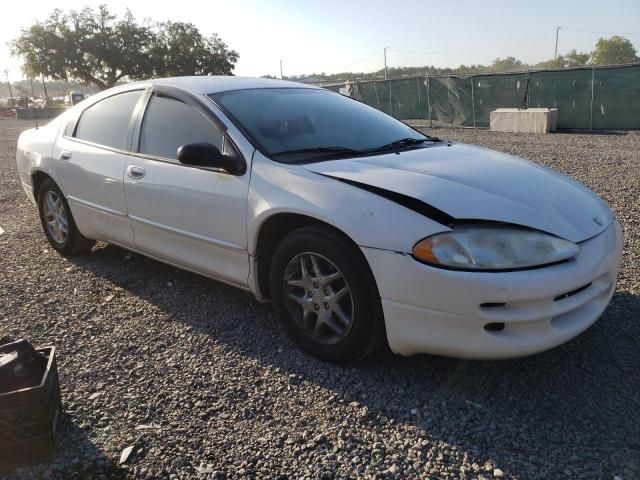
x,y
312,36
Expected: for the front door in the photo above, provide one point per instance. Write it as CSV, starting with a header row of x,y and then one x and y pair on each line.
x,y
191,217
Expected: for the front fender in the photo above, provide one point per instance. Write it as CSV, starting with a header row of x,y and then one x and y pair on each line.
x,y
368,219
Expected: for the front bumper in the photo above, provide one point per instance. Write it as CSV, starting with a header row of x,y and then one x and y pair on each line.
x,y
431,310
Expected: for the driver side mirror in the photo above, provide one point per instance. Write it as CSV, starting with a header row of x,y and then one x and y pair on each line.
x,y
204,154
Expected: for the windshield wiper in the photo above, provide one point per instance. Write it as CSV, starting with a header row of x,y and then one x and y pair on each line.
x,y
321,150
403,142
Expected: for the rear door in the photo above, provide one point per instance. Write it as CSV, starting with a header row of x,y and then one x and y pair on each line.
x,y
93,155
191,217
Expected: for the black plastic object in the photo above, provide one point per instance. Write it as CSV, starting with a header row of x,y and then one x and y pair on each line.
x,y
30,404
202,154
20,366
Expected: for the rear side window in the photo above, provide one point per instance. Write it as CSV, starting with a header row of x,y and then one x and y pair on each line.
x,y
170,123
106,123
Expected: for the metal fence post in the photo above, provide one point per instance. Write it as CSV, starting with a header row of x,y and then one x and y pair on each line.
x,y
390,102
449,98
593,77
429,101
473,103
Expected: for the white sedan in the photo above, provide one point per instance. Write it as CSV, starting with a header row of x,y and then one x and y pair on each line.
x,y
358,228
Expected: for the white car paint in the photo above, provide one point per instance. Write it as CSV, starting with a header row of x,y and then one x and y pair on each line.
x,y
94,189
205,239
439,311
209,222
474,183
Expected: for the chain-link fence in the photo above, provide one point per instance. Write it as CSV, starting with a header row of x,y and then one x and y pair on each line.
x,y
586,98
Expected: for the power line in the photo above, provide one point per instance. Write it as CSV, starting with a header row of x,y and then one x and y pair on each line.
x,y
600,33
520,40
377,52
476,49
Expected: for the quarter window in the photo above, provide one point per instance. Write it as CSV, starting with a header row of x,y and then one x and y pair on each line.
x,y
107,122
170,123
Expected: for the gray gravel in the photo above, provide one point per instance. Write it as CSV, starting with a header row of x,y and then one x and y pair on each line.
x,y
200,380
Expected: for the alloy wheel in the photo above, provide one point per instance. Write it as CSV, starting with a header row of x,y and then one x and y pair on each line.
x,y
318,298
55,216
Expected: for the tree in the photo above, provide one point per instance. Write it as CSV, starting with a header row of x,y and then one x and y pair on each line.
x,y
575,59
569,60
95,47
509,64
614,51
558,62
180,49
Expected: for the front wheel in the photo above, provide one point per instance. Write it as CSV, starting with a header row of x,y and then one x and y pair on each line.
x,y
326,296
58,223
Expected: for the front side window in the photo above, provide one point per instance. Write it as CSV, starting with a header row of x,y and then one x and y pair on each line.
x,y
170,123
287,122
107,122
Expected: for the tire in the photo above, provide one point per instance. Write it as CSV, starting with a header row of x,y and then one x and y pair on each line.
x,y
313,308
53,209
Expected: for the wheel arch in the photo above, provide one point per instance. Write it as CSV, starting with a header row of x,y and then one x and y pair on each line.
x,y
37,177
269,235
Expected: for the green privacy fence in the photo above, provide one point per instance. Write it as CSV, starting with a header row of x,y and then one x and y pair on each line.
x,y
586,98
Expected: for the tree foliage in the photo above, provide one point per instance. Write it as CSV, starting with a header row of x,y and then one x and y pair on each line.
x,y
570,59
614,51
180,47
509,64
96,47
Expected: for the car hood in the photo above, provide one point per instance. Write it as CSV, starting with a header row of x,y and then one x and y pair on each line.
x,y
472,183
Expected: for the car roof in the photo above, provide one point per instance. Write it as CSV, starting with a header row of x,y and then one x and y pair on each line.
x,y
215,84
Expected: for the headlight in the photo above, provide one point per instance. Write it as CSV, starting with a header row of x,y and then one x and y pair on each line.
x,y
493,248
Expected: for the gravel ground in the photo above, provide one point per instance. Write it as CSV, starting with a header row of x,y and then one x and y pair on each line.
x,y
200,380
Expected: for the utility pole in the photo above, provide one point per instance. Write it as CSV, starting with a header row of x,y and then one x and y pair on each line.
x,y
385,62
13,106
555,54
281,77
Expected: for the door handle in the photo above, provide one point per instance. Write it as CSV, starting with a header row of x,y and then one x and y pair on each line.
x,y
65,155
136,172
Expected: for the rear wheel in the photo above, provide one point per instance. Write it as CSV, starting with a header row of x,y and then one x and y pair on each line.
x,y
325,295
58,223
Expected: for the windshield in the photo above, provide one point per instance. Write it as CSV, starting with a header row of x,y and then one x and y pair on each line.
x,y
290,123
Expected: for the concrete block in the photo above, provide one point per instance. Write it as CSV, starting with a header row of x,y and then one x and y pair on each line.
x,y
530,120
